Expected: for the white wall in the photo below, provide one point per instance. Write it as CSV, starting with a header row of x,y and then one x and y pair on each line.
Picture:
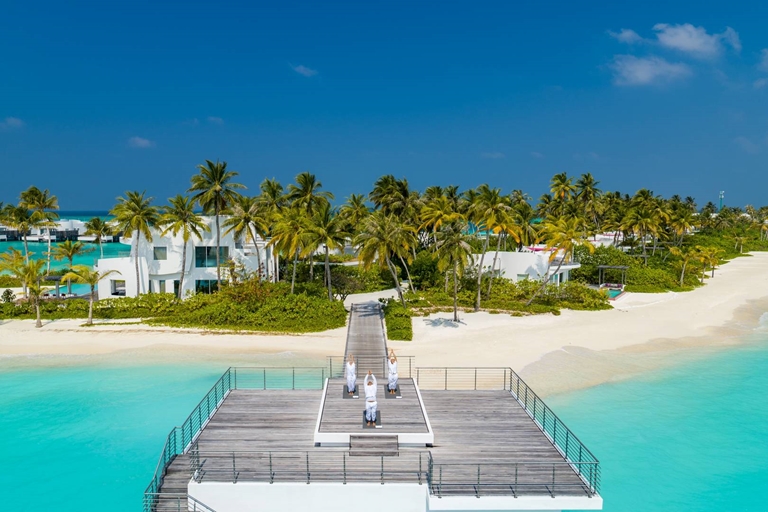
x,y
317,496
169,270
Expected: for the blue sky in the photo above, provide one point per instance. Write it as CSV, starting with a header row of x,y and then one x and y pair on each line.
x,y
101,97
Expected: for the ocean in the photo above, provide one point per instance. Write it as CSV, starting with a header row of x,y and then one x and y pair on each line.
x,y
686,438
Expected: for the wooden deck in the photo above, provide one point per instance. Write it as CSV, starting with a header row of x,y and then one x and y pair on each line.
x,y
399,415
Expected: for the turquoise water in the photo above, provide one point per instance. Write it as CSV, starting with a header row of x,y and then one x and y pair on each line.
x,y
692,438
76,438
37,250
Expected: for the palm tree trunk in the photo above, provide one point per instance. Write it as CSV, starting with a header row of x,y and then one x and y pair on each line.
x,y
407,273
493,267
397,281
293,278
447,275
258,256
49,252
480,271
101,247
69,281
276,272
183,268
90,308
136,259
312,266
218,244
455,292
328,273
682,274
26,248
38,322
546,281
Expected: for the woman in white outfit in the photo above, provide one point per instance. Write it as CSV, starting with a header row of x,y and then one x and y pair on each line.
x,y
350,372
392,378
370,399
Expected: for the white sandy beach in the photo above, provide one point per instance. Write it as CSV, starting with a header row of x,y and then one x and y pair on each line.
x,y
555,353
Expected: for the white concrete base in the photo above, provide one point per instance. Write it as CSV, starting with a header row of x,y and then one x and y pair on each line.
x,y
332,497
491,503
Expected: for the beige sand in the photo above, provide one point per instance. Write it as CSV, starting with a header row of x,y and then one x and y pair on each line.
x,y
556,353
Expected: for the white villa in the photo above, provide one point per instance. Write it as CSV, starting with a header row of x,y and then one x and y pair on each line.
x,y
160,263
529,263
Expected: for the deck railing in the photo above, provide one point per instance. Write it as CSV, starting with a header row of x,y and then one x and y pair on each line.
x,y
516,478
570,447
308,467
178,502
180,438
377,364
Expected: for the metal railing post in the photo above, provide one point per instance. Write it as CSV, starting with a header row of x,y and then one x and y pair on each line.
x,y
344,461
475,379
264,379
440,485
553,480
308,477
446,378
419,468
382,470
234,469
293,378
271,472
477,491
235,378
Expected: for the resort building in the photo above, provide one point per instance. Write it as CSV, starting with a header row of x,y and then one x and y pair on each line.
x,y
160,263
529,263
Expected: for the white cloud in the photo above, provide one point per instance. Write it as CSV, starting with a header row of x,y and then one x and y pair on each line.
x,y
494,155
760,83
536,154
746,145
215,120
626,35
695,40
304,70
11,123
763,64
631,70
140,143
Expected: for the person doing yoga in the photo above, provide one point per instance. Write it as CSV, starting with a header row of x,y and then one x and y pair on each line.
x,y
392,377
350,372
370,399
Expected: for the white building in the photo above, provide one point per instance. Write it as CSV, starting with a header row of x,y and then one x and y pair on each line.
x,y
530,263
160,263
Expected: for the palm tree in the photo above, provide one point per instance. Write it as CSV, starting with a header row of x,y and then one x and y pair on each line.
x,y
686,255
380,239
100,229
289,235
135,216
453,252
355,210
33,272
739,243
588,195
307,196
435,213
489,210
562,235
327,228
42,204
12,261
710,256
306,193
247,221
180,216
505,226
83,274
272,200
214,191
20,218
69,250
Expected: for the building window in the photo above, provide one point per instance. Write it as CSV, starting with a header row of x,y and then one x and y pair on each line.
x,y
176,287
117,287
522,277
206,286
206,256
161,253
162,286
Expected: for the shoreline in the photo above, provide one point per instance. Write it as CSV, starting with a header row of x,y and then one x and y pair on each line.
x,y
555,354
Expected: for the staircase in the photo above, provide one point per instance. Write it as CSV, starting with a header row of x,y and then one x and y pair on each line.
x,y
377,446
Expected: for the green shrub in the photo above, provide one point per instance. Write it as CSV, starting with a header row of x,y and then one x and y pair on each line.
x,y
398,321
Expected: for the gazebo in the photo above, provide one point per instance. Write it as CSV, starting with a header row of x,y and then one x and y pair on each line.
x,y
601,273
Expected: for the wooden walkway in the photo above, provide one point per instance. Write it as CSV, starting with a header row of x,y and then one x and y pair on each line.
x,y
401,415
366,340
